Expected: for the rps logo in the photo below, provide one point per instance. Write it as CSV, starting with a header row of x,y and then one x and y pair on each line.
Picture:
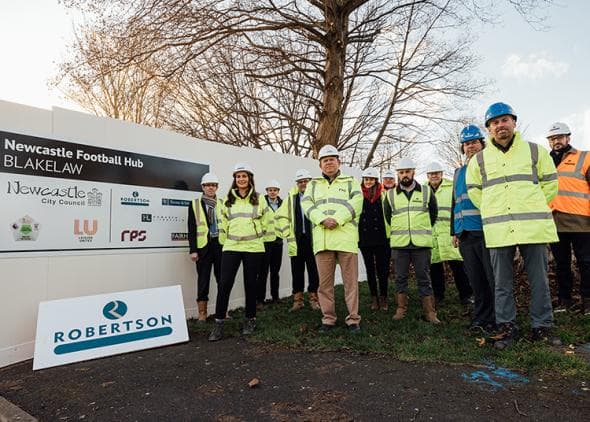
x,y
133,235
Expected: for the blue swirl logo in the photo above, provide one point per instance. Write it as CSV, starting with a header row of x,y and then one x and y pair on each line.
x,y
114,310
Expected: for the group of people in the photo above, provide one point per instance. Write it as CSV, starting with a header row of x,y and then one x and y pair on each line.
x,y
511,194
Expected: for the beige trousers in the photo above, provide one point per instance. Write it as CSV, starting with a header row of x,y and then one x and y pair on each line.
x,y
326,263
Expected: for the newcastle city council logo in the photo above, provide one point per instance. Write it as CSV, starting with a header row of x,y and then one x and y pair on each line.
x,y
117,329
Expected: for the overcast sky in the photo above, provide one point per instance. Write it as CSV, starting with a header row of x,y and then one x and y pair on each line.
x,y
542,74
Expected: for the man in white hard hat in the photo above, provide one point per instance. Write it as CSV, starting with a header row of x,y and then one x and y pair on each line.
x,y
388,179
412,210
442,247
293,225
571,213
273,251
203,239
333,203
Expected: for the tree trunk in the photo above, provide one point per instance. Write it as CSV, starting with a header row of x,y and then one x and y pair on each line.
x,y
331,118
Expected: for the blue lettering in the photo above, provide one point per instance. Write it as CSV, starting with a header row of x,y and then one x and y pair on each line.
x,y
102,330
127,324
152,322
59,336
75,334
115,327
167,319
89,332
139,324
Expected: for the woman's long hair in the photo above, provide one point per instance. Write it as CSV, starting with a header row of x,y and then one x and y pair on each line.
x,y
231,199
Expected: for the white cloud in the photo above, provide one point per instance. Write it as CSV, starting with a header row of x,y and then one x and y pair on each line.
x,y
534,66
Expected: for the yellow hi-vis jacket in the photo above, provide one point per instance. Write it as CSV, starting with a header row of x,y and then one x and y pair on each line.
x,y
410,218
244,227
442,241
201,221
341,200
512,191
285,221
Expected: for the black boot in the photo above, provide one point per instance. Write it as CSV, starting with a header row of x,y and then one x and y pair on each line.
x,y
217,333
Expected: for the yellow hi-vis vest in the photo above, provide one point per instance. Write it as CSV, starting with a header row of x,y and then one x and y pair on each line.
x,y
410,219
442,241
285,221
244,227
201,221
512,191
343,201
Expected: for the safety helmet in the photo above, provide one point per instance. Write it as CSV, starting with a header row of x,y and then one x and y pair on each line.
x,y
302,174
406,164
389,173
273,184
209,178
497,110
328,151
470,133
434,167
370,172
243,167
558,128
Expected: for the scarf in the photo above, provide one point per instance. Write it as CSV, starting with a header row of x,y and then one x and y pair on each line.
x,y
373,193
210,203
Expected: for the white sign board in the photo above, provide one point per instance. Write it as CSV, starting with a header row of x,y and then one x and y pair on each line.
x,y
89,327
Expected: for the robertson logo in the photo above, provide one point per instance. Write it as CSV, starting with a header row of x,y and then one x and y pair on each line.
x,y
117,330
179,236
25,228
85,230
133,235
135,199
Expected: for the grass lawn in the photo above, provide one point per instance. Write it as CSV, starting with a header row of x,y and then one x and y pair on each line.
x,y
413,339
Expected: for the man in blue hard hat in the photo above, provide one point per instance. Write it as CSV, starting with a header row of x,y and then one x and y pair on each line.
x,y
467,232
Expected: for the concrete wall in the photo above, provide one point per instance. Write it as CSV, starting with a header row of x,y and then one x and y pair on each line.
x,y
27,279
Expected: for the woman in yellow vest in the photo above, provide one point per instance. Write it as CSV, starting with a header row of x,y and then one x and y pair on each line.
x,y
244,226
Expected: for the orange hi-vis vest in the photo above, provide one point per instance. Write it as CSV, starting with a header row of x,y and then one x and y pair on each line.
x,y
573,196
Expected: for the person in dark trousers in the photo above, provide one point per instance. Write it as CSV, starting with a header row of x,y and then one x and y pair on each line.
x,y
571,213
467,233
373,239
203,239
292,224
244,223
273,252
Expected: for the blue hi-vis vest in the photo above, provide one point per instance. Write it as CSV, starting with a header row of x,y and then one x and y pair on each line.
x,y
466,215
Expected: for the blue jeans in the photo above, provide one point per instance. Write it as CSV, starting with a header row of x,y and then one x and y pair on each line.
x,y
535,263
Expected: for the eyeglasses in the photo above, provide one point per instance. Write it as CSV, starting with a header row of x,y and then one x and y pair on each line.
x,y
209,185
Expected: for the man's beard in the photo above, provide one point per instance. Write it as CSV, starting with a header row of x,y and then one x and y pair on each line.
x,y
406,181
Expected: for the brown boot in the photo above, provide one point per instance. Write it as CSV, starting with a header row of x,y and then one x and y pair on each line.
x,y
297,302
383,303
374,303
202,305
429,311
314,301
402,306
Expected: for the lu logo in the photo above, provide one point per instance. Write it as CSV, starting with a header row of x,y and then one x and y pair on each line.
x,y
86,229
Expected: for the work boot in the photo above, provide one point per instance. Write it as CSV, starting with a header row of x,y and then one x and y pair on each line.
x,y
544,335
507,335
383,305
374,303
202,305
563,305
249,327
402,306
586,306
429,311
217,333
314,301
297,302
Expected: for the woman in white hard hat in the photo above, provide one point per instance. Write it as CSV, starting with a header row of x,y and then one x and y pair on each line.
x,y
244,221
273,251
373,241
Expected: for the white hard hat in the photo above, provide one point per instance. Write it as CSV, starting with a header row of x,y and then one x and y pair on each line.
x,y
406,164
243,167
370,172
434,167
558,128
328,151
273,184
302,174
389,173
209,178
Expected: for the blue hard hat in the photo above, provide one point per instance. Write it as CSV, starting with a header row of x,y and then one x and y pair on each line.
x,y
470,133
497,110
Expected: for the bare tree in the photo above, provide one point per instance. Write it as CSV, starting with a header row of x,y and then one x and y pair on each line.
x,y
370,76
